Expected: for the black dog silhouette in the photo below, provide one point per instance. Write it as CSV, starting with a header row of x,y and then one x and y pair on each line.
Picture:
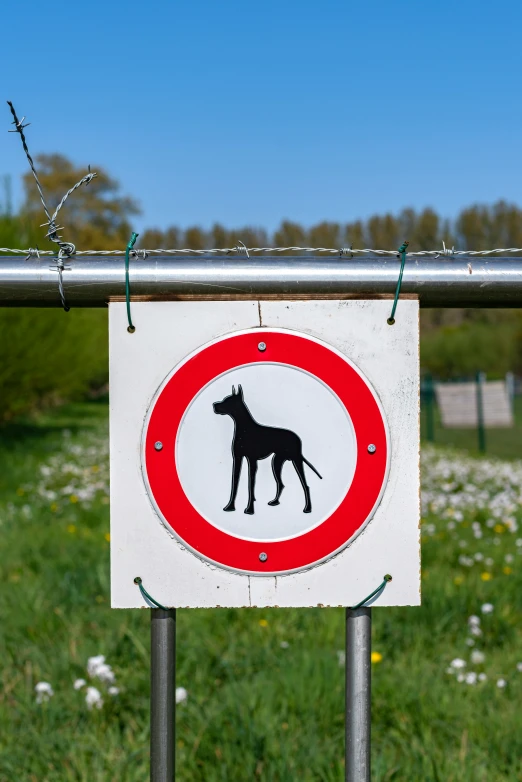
x,y
253,442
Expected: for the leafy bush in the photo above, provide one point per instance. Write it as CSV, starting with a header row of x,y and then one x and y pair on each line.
x,y
49,356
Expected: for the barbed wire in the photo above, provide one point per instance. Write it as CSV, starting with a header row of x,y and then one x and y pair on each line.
x,y
341,252
67,249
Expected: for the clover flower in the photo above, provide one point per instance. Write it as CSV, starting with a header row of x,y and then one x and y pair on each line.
x,y
93,698
79,683
44,692
487,608
477,657
181,694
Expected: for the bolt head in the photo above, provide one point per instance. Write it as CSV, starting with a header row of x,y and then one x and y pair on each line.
x,y
262,346
158,446
263,557
372,448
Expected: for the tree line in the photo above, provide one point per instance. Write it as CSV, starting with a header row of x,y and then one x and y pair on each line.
x,y
98,216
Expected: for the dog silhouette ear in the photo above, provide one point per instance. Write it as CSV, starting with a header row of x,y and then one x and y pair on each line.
x,y
240,391
233,390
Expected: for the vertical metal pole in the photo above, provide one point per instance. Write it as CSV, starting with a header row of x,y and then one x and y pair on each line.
x,y
162,694
481,429
430,422
358,694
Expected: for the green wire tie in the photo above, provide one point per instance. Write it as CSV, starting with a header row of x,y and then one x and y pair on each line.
x,y
382,586
402,253
146,595
131,329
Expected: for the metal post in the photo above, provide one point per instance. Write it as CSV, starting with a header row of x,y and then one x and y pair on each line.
x,y
481,428
429,400
358,694
94,281
162,694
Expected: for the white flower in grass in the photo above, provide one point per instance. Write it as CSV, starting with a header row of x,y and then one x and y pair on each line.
x,y
473,620
93,698
509,558
482,677
518,542
44,692
79,683
475,630
519,667
470,642
487,608
284,644
477,657
458,663
461,677
113,691
105,674
93,663
181,694
341,657
479,557
501,683
471,678
489,561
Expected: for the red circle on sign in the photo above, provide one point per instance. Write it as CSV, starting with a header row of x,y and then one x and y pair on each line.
x,y
225,354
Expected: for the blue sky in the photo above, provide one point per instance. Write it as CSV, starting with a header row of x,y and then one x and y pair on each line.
x,y
251,112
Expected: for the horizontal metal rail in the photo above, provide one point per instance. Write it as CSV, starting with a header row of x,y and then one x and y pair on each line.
x,y
94,281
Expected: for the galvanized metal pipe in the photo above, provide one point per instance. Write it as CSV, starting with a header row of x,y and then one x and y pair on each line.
x,y
358,694
94,281
162,694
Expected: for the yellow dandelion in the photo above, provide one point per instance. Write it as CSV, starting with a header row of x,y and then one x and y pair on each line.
x,y
507,570
376,657
499,529
107,537
486,576
458,580
263,623
73,498
71,528
54,507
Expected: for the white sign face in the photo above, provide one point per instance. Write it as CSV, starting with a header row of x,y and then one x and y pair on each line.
x,y
285,397
251,465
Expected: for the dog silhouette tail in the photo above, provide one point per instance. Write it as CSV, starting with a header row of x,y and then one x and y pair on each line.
x,y
312,467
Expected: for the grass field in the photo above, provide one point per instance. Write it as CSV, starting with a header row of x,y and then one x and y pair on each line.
x,y
265,688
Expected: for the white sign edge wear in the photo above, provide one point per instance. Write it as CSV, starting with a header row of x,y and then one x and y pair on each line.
x,y
263,330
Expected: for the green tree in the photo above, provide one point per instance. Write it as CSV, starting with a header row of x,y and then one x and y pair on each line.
x,y
95,216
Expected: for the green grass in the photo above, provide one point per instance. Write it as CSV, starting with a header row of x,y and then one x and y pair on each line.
x,y
255,710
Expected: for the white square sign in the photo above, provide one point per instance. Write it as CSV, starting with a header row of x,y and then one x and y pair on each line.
x,y
264,453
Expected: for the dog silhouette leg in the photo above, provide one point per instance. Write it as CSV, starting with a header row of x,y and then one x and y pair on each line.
x,y
299,468
277,466
236,472
252,472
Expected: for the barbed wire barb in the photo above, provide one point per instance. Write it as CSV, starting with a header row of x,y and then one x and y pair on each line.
x,y
66,249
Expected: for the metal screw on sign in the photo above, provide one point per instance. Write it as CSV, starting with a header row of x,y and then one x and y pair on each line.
x,y
262,346
372,448
263,557
158,445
